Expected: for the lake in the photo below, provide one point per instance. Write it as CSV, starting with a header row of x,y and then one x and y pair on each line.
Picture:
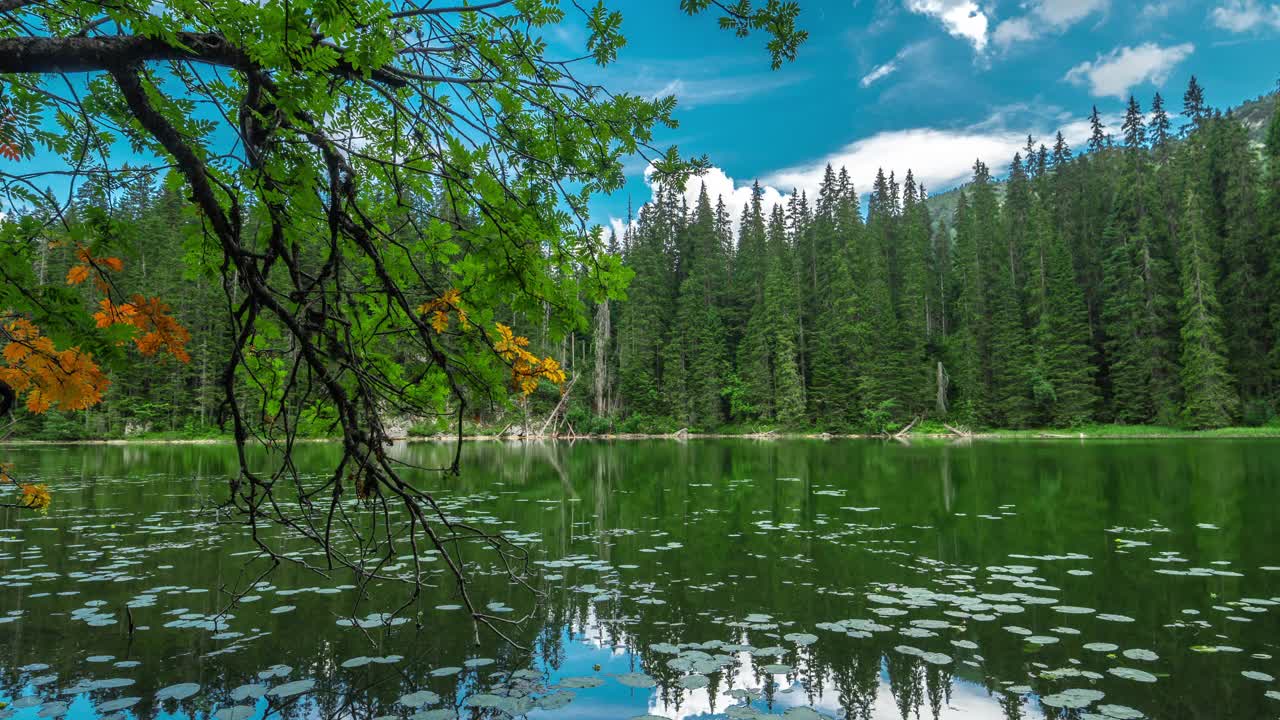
x,y
699,579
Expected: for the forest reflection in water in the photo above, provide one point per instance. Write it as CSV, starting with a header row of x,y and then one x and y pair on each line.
x,y
709,578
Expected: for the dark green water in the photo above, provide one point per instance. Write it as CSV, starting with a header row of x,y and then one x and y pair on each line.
x,y
1107,579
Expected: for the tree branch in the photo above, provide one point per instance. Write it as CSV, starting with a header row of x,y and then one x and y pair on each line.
x,y
90,54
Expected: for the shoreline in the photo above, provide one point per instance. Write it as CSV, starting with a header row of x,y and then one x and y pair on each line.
x,y
1137,434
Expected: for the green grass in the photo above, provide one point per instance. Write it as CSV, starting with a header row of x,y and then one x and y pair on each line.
x,y
1134,431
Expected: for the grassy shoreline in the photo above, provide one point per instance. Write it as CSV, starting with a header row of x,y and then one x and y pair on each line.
x,y
1093,432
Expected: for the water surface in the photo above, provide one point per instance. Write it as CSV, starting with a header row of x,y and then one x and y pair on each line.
x,y
700,579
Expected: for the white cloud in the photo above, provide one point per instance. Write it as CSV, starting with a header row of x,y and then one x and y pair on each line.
x,y
914,53
619,227
879,73
1044,17
1061,13
961,18
939,158
1245,15
1156,10
1015,30
721,90
1115,73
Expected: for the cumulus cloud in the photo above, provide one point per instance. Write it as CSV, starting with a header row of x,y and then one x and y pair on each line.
x,y
1015,30
961,18
879,73
939,158
1240,16
1044,17
1116,72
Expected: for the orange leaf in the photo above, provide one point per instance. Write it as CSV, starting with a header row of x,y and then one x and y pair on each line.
x,y
77,274
48,376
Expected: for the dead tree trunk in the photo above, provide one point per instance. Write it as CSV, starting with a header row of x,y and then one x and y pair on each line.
x,y
564,397
943,384
602,332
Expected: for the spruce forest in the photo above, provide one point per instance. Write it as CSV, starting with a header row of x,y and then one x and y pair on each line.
x,y
1135,280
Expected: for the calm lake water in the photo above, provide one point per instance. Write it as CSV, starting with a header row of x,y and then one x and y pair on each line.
x,y
700,579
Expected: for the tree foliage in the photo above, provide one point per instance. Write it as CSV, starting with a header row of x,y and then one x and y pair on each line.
x,y
378,192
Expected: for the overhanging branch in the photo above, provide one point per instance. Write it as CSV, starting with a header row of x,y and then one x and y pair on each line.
x,y
96,54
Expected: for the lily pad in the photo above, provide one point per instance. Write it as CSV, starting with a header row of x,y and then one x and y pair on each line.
x,y
694,682
248,692
235,712
1140,654
1073,699
636,680
289,689
118,704
1132,674
556,700
181,691
419,699
1121,712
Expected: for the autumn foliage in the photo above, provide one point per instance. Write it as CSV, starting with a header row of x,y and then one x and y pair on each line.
x,y
69,378
440,308
526,369
156,330
47,376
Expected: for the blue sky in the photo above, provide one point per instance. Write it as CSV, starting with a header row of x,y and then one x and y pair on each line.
x,y
926,84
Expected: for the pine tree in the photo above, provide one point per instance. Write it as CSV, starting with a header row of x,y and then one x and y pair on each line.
x,y
913,313
1135,131
1061,153
697,352
1193,105
840,334
782,312
841,330
1063,382
1159,125
751,391
1271,229
1211,400
1097,136
1138,313
969,347
642,327
1244,262
883,364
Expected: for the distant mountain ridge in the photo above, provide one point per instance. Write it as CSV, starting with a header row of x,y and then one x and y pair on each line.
x,y
1255,114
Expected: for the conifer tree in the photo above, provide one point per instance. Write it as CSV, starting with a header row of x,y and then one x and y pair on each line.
x,y
1271,229
970,343
1243,258
1063,383
1159,125
1211,401
1193,105
697,349
1097,135
914,250
782,314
